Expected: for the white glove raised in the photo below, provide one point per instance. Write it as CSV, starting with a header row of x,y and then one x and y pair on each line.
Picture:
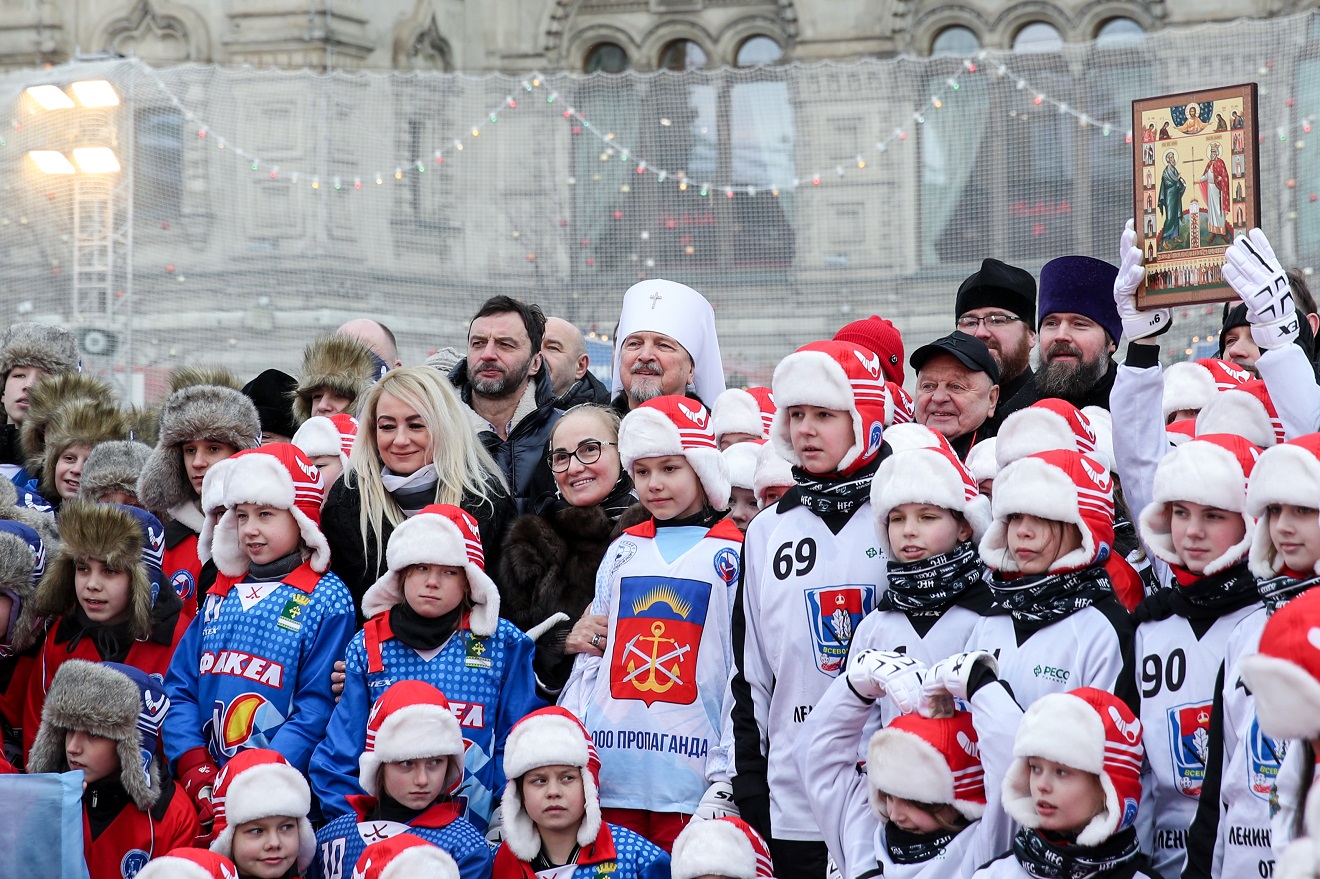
x,y
716,802
1254,272
948,679
875,673
495,829
1131,272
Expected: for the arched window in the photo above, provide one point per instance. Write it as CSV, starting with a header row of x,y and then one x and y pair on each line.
x,y
682,55
1038,37
606,58
956,40
1118,33
758,51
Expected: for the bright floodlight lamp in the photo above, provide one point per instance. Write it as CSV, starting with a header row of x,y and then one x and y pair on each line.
x,y
52,162
96,160
94,93
49,97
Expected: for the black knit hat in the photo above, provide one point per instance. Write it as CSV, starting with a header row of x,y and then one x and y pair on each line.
x,y
999,285
272,393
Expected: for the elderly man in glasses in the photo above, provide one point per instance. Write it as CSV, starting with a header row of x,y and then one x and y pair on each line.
x,y
998,306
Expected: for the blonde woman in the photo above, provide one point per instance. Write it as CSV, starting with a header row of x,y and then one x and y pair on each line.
x,y
414,447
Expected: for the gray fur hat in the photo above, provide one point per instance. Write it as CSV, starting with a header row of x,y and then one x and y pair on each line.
x,y
187,376
144,424
340,363
113,466
47,397
198,412
53,349
78,423
112,701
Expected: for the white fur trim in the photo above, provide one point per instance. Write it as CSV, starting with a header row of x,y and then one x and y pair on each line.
x,y
319,436
1284,474
736,411
421,860
713,848
771,471
1200,473
1300,860
212,505
648,433
264,791
1065,729
1031,430
435,540
1102,424
411,733
1287,697
169,867
904,765
910,435
741,460
813,378
1240,413
1030,485
922,476
260,479
982,459
537,742
1187,385
227,550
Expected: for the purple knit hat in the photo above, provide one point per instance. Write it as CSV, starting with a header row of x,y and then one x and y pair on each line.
x,y
1081,285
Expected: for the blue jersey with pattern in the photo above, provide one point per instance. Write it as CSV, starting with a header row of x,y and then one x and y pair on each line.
x,y
617,853
253,669
489,685
340,843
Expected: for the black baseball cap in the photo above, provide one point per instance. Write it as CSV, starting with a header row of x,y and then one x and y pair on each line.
x,y
969,350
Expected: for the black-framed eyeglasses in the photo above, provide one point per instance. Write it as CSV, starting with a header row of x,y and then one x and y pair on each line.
x,y
994,321
587,451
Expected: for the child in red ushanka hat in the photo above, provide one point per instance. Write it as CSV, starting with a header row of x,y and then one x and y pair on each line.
x,y
812,569
655,701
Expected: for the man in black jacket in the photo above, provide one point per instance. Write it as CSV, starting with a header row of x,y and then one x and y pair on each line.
x,y
511,402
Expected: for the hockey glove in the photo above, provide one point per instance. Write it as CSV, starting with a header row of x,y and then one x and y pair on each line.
x,y
957,677
717,802
1254,272
1131,272
875,673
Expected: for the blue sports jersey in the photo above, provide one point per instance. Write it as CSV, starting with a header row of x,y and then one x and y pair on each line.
x,y
617,853
343,840
489,684
253,669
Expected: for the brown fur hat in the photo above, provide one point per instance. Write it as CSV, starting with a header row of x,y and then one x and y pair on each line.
x,y
105,532
44,399
187,376
78,422
143,424
53,349
199,412
112,701
340,363
113,466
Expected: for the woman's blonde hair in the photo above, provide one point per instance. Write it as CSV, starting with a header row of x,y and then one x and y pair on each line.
x,y
462,464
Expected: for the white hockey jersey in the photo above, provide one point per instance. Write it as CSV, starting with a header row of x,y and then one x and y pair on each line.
x,y
655,703
1089,648
1177,665
804,592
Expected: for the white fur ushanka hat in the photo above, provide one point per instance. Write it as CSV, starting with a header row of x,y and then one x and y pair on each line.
x,y
673,425
926,476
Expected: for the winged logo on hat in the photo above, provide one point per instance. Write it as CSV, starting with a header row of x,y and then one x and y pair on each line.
x,y
1098,475
872,365
971,747
1313,636
698,417
228,873
1131,731
155,706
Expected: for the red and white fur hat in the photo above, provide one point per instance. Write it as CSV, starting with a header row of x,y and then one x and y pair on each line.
x,y
932,476
1047,424
441,534
725,846
328,435
411,721
189,863
748,411
1060,485
1288,473
1086,729
259,783
1211,470
674,425
548,737
929,760
1192,384
838,376
772,471
1284,675
277,475
213,506
741,459
1246,410
405,856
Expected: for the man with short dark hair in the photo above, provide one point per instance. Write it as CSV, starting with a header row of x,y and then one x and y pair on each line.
x,y
566,362
511,404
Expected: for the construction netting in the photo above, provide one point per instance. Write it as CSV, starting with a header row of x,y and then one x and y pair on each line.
x,y
253,209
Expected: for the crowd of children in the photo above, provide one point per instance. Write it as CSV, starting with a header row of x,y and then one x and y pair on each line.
x,y
828,643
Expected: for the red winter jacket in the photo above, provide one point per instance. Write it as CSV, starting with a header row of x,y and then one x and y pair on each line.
x,y
133,836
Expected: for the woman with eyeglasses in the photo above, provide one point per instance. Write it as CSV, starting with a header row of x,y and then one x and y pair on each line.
x,y
548,570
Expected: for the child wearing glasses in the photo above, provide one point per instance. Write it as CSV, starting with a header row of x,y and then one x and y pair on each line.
x,y
548,569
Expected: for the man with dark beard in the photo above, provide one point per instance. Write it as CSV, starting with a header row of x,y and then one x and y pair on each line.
x,y
1079,329
998,306
511,404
